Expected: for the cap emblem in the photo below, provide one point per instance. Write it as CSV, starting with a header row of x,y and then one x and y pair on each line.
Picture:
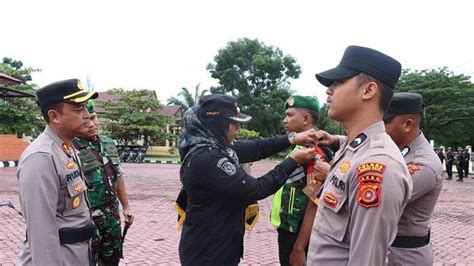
x,y
291,101
79,85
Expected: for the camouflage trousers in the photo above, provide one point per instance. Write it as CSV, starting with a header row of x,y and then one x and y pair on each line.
x,y
107,243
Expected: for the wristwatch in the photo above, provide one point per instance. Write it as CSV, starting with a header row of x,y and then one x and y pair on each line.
x,y
291,137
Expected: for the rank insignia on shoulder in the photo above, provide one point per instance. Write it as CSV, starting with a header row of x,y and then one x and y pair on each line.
x,y
370,167
344,166
412,168
330,199
226,166
66,149
405,151
358,140
369,191
76,201
69,164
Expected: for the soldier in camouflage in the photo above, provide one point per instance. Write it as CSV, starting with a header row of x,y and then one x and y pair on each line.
x,y
101,166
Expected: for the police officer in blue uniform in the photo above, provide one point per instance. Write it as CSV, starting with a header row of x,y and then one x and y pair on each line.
x,y
218,189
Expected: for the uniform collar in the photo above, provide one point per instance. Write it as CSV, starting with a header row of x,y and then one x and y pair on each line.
x,y
414,144
367,133
56,138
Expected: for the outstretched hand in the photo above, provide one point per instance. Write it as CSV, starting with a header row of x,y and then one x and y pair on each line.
x,y
326,139
304,155
306,138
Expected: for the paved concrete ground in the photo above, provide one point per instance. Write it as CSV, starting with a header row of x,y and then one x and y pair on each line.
x,y
153,239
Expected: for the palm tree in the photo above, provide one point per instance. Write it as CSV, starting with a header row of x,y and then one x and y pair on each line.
x,y
188,100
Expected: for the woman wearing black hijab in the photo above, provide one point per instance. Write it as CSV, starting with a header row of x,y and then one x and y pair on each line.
x,y
216,190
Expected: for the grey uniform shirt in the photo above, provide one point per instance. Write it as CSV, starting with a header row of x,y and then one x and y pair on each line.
x,y
52,196
363,196
427,175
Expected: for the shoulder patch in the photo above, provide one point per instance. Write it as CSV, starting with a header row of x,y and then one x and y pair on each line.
x,y
412,168
369,191
358,140
405,151
370,167
226,166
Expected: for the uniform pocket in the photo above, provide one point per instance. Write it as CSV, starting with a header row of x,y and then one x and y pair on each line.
x,y
89,161
74,197
333,212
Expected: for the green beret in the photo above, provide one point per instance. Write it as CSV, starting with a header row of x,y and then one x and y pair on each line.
x,y
90,106
308,102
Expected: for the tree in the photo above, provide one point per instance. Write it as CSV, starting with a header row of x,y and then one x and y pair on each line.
x,y
448,101
259,76
247,134
327,124
134,116
20,115
188,99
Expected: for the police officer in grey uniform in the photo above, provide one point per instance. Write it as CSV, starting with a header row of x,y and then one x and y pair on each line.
x,y
53,193
368,183
402,122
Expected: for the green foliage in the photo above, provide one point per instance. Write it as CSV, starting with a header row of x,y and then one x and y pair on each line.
x,y
188,100
134,116
259,76
20,115
247,134
329,125
448,101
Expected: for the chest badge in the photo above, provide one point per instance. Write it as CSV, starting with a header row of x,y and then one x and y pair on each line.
x,y
344,167
76,201
330,199
69,164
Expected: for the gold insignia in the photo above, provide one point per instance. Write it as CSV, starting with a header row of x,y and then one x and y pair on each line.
x,y
370,167
291,101
412,168
330,199
69,164
78,187
344,167
76,201
251,216
79,85
66,149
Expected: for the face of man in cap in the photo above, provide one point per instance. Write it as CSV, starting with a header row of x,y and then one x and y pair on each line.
x,y
71,119
399,126
345,98
90,131
296,119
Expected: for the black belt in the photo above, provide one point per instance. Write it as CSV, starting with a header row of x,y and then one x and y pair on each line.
x,y
74,235
411,241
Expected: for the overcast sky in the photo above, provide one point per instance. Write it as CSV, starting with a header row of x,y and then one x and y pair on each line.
x,y
166,45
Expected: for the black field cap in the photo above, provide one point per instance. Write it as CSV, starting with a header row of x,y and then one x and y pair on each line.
x,y
357,59
69,91
404,103
220,105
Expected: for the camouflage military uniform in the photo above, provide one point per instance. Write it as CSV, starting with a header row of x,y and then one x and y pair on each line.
x,y
101,166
